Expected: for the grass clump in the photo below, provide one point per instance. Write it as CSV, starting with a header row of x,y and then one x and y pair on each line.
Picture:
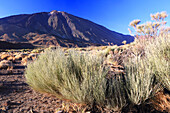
x,y
81,78
153,42
149,63
140,84
157,52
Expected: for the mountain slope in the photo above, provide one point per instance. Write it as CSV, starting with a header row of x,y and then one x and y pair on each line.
x,y
57,28
7,45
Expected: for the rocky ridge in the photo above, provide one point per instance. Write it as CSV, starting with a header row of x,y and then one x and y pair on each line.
x,y
57,28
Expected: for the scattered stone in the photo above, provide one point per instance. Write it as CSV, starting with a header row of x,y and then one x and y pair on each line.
x,y
60,111
33,56
26,60
6,64
3,109
7,103
20,56
4,56
116,51
11,58
9,71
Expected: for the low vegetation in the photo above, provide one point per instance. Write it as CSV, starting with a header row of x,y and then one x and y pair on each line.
x,y
148,70
81,78
158,55
139,80
154,44
86,78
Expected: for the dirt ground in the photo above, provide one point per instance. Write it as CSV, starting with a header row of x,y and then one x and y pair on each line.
x,y
17,97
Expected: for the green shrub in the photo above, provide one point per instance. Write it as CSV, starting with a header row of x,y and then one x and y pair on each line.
x,y
81,78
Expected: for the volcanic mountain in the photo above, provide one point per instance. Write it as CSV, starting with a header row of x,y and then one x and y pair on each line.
x,y
57,28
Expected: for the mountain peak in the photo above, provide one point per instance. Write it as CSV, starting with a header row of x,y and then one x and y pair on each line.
x,y
57,28
54,12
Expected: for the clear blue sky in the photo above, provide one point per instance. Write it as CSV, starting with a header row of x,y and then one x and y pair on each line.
x,y
113,14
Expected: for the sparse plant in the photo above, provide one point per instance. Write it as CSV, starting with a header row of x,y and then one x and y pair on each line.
x,y
150,29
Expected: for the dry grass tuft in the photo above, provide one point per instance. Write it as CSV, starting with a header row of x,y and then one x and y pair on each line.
x,y
139,80
79,77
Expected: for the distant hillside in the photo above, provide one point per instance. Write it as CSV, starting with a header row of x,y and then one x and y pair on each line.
x,y
57,28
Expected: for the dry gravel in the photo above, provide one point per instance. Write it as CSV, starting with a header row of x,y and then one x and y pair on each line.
x,y
17,97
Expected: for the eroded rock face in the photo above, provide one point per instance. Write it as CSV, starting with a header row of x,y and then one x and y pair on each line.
x,y
57,28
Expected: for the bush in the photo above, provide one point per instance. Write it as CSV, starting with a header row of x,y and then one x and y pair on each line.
x,y
149,63
150,29
157,52
81,78
153,41
139,78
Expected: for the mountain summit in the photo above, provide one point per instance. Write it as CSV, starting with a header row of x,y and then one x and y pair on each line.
x,y
57,28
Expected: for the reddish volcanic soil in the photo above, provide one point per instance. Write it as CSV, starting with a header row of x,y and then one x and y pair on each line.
x,y
16,96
